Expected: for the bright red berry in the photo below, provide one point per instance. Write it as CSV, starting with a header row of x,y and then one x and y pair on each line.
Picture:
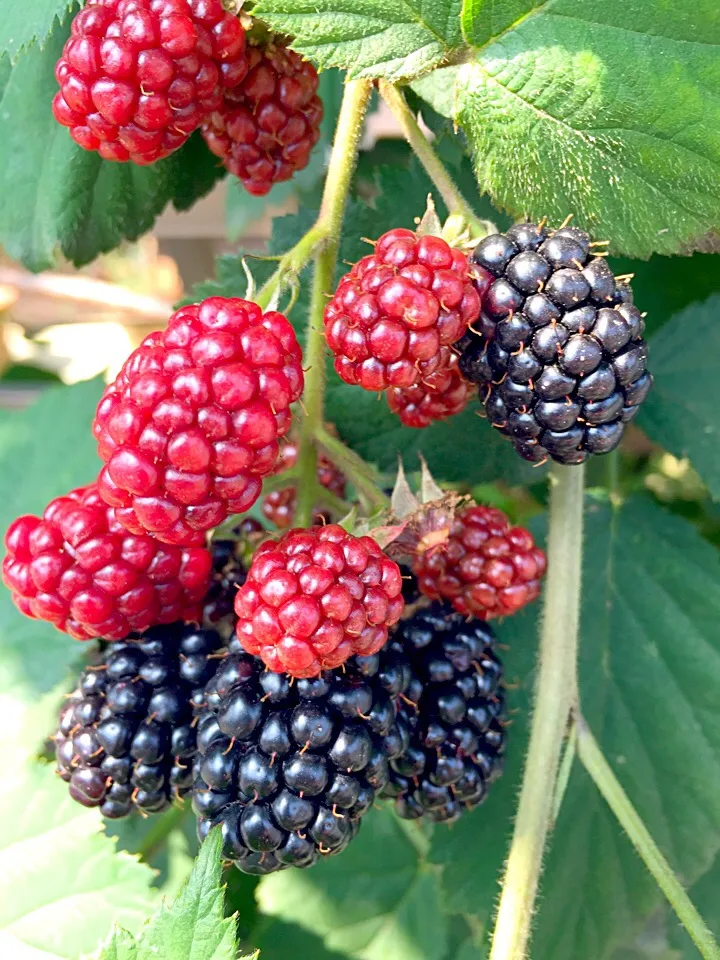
x,y
486,568
279,505
79,569
315,598
137,77
267,125
191,424
396,308
440,395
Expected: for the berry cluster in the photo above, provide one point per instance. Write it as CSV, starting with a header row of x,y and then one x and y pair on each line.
x,y
279,505
126,737
137,77
558,352
79,569
266,126
440,395
454,707
485,568
316,597
289,769
394,317
191,424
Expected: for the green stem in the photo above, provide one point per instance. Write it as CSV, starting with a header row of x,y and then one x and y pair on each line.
x,y
444,184
292,263
357,471
555,694
607,783
337,185
563,778
161,828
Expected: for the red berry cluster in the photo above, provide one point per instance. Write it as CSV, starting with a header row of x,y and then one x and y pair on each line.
x,y
78,568
190,426
137,77
279,505
395,315
317,597
441,395
486,568
266,126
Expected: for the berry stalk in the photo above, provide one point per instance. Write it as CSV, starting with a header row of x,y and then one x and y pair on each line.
x,y
592,759
555,695
356,470
423,150
332,209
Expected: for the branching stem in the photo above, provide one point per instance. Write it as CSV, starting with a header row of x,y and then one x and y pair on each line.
x,y
337,185
555,694
434,167
357,471
609,786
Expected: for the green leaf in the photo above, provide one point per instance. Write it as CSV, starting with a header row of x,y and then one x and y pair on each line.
x,y
397,39
704,895
280,941
23,24
650,670
681,410
45,451
375,901
194,927
559,125
58,197
62,883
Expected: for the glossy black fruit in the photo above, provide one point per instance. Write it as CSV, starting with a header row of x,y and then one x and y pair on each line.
x,y
126,737
289,770
558,334
456,733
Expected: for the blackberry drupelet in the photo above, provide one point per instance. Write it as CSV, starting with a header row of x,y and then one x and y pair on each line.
x,y
126,737
558,352
457,737
289,768
230,562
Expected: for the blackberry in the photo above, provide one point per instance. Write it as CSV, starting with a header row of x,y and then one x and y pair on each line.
x,y
230,562
558,352
126,737
456,741
289,769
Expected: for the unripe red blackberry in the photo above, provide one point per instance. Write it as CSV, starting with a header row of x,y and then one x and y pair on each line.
x,y
485,568
290,768
279,505
456,743
440,395
395,310
266,126
137,77
191,424
558,352
315,598
78,568
126,738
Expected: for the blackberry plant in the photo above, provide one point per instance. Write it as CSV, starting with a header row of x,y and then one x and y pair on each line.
x,y
307,607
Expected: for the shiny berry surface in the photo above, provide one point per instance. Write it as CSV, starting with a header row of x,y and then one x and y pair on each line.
x,y
129,742
78,568
315,598
486,568
267,125
289,770
456,734
137,77
191,424
392,314
278,506
440,395
558,335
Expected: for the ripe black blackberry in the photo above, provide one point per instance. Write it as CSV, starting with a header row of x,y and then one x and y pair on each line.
x,y
457,737
290,767
558,351
126,737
